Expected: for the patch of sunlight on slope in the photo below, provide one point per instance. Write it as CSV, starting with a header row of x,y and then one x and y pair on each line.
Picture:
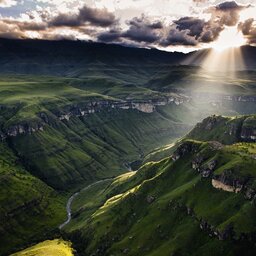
x,y
117,198
123,177
56,247
114,200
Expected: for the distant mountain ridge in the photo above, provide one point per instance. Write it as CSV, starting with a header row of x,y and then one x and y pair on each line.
x,y
64,57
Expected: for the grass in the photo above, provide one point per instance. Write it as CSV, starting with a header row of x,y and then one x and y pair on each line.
x,y
46,166
56,247
29,208
127,222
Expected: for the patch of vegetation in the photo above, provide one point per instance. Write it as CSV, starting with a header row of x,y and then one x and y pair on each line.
x,y
169,208
30,209
48,248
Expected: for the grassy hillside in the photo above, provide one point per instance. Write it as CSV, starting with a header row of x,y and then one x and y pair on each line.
x,y
66,150
29,208
169,207
226,130
198,200
48,248
72,113
52,156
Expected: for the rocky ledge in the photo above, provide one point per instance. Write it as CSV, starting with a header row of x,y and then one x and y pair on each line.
x,y
205,165
240,128
85,109
145,106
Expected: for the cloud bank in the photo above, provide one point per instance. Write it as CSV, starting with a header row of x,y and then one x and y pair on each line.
x,y
202,27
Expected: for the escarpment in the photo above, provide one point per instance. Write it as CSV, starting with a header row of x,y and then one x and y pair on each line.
x,y
83,110
208,164
225,129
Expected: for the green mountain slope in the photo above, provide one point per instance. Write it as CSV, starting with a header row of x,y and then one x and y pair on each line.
x,y
53,149
198,201
68,133
74,113
29,208
226,130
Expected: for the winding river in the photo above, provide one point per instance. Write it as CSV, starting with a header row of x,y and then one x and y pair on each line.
x,y
71,199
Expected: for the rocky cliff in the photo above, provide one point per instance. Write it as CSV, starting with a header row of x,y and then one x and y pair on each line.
x,y
85,109
225,129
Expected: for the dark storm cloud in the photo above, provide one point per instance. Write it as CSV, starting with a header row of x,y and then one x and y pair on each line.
x,y
194,26
110,36
67,20
189,31
178,37
97,17
192,31
103,26
141,30
156,25
195,31
226,13
86,20
210,32
248,29
93,16
229,5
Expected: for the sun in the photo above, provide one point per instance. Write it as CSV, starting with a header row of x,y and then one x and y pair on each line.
x,y
230,37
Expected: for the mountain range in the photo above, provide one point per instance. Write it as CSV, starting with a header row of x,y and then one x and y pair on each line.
x,y
75,113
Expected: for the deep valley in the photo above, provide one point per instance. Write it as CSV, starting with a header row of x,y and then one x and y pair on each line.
x,y
157,157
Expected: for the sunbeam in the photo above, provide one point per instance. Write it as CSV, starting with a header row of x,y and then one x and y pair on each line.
x,y
229,38
229,60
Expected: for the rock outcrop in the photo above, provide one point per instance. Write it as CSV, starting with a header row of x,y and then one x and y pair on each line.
x,y
219,185
227,181
26,128
206,169
85,109
248,131
183,149
145,106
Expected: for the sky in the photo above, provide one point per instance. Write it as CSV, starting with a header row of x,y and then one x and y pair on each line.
x,y
172,25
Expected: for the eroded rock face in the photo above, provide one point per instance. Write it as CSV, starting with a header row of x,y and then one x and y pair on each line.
x,y
219,185
145,106
183,149
16,130
227,182
232,129
248,133
197,161
206,169
88,108
44,117
250,194
209,123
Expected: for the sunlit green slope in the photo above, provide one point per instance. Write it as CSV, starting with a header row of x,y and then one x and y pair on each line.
x,y
198,201
55,247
